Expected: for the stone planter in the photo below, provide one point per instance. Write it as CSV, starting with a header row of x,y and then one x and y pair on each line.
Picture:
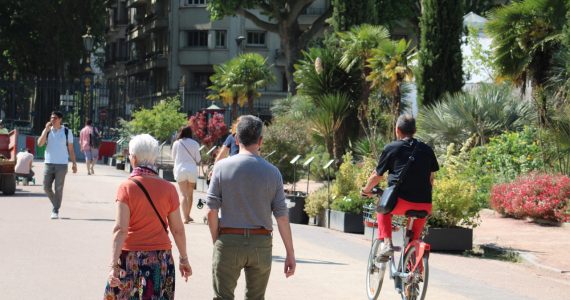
x,y
319,220
112,161
297,213
449,239
346,222
120,166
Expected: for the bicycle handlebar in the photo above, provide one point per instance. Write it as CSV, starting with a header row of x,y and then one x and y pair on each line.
x,y
374,191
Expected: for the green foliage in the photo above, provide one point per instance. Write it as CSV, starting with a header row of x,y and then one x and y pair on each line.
x,y
280,17
394,13
358,44
558,141
482,113
287,136
351,203
316,202
43,37
160,121
454,203
350,178
480,62
350,13
321,158
440,57
525,33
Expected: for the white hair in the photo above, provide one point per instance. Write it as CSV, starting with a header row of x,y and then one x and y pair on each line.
x,y
145,148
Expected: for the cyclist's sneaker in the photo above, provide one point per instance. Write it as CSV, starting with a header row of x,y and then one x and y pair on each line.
x,y
385,252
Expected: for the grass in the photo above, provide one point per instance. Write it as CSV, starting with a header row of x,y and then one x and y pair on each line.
x,y
494,252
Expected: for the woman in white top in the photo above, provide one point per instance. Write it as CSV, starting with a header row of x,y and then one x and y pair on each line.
x,y
186,155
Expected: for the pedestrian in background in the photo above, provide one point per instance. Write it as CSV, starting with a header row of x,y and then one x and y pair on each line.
x,y
142,264
89,140
186,156
247,190
59,149
23,168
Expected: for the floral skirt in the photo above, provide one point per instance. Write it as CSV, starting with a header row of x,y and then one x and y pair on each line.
x,y
147,275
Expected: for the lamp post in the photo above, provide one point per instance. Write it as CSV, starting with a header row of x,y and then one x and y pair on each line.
x,y
87,74
239,41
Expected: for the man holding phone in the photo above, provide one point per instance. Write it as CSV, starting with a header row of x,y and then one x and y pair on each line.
x,y
59,148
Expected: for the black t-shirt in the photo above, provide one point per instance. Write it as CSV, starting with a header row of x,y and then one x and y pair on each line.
x,y
416,186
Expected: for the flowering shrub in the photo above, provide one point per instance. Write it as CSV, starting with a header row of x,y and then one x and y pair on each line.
x,y
210,133
351,203
539,196
454,203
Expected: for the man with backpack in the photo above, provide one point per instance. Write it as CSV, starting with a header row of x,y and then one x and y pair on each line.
x,y
89,142
59,148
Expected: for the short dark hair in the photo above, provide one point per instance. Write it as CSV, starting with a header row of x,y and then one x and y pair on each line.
x,y
407,124
249,130
184,132
57,113
88,122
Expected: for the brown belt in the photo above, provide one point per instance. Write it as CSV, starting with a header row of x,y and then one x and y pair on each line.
x,y
245,231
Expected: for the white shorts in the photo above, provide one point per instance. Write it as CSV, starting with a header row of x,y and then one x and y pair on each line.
x,y
186,176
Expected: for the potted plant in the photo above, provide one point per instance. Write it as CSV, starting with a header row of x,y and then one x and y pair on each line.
x,y
316,204
346,213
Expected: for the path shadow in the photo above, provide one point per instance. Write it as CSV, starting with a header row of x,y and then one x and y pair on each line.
x,y
309,261
92,220
22,193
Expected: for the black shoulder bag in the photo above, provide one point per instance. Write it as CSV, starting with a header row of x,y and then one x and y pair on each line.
x,y
150,201
389,197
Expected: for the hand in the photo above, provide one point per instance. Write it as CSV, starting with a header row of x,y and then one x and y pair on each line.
x,y
48,125
113,278
363,193
74,167
185,270
290,266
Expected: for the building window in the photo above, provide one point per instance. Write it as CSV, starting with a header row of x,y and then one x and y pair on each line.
x,y
256,39
195,2
198,38
221,39
200,81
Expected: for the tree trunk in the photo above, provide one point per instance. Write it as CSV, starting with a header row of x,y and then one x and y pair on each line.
x,y
291,46
234,113
250,102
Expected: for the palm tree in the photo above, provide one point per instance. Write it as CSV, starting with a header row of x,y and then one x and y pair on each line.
x,y
485,112
390,67
251,74
225,87
357,45
329,115
525,36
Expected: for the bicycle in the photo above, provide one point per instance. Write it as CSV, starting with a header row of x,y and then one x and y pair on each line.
x,y
412,280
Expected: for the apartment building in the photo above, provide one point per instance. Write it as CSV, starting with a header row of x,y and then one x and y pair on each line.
x,y
158,48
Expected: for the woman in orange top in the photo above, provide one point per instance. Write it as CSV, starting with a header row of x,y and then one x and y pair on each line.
x,y
142,265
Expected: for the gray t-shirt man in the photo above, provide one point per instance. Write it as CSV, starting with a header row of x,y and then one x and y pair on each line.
x,y
246,189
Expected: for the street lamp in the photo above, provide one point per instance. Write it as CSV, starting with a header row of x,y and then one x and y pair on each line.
x,y
88,41
239,41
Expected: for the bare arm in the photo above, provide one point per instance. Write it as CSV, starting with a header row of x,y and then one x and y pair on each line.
x,y
213,223
223,153
43,137
373,180
179,235
120,231
431,178
286,236
72,156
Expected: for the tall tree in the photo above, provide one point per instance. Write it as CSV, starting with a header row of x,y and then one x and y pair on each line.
x,y
252,73
440,59
525,36
44,37
280,17
350,13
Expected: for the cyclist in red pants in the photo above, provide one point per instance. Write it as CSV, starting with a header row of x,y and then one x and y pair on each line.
x,y
414,193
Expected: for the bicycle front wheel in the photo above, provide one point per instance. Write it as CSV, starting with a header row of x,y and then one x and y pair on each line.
x,y
374,272
414,287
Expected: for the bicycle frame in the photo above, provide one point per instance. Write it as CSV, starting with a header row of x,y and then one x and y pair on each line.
x,y
423,250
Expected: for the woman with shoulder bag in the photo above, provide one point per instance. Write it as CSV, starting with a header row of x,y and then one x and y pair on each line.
x,y
142,264
186,156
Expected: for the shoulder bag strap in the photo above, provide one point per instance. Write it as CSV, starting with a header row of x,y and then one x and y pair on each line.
x,y
410,160
150,201
181,143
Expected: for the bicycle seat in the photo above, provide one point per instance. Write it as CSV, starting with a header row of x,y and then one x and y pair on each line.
x,y
420,214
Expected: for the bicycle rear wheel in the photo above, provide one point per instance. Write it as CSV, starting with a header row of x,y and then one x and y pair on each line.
x,y
415,286
374,272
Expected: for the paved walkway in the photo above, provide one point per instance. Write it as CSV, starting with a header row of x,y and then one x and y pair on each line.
x,y
68,258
